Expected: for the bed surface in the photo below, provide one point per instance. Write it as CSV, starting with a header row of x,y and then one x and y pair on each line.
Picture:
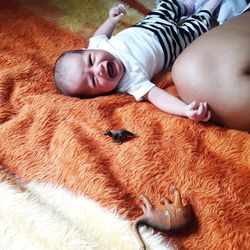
x,y
49,138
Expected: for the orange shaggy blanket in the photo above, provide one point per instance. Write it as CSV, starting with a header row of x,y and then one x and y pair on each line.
x,y
50,138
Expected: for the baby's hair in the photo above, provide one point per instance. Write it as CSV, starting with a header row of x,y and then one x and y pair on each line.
x,y
61,69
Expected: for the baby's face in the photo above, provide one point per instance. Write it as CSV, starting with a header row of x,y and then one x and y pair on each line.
x,y
92,73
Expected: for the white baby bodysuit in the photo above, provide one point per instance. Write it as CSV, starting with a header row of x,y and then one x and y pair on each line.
x,y
141,54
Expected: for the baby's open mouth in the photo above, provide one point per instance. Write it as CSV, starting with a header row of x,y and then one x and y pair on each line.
x,y
111,69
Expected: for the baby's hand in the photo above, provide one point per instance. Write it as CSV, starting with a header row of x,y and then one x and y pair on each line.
x,y
198,111
117,12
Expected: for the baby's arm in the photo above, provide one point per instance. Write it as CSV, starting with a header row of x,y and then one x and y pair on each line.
x,y
115,14
170,104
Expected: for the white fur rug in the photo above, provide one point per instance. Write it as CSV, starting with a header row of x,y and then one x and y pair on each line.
x,y
49,217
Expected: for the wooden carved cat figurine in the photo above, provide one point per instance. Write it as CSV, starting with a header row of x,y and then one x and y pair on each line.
x,y
166,217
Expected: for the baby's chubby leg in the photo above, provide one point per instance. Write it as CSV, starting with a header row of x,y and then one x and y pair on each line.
x,y
194,26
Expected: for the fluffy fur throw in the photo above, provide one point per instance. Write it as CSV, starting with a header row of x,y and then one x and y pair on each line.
x,y
49,217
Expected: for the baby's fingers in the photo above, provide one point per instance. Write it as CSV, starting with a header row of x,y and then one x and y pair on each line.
x,y
192,114
207,117
201,109
192,106
203,113
117,12
122,9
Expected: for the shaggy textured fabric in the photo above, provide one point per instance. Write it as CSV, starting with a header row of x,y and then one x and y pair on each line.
x,y
48,217
49,138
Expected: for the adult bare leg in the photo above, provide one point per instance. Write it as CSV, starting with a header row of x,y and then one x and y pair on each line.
x,y
215,68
